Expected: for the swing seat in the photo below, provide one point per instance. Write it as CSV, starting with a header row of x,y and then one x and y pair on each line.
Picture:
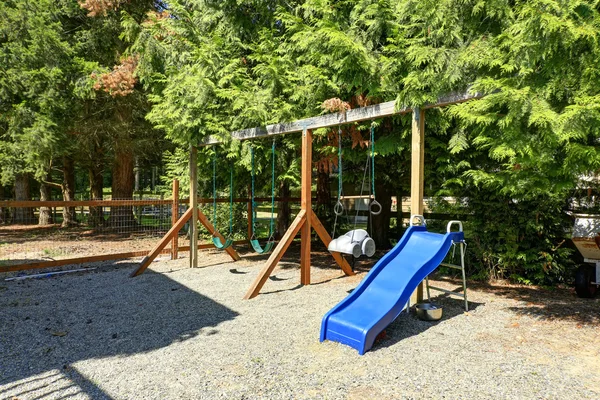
x,y
356,242
220,245
257,247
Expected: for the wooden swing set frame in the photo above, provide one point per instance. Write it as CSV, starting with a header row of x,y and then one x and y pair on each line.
x,y
307,220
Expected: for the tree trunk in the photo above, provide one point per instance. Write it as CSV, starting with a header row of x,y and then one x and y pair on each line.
x,y
45,217
22,215
324,208
284,211
123,181
68,191
381,222
96,217
399,230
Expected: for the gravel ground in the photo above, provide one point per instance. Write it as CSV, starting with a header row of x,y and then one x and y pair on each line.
x,y
180,333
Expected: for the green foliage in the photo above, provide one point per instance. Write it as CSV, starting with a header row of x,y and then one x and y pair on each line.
x,y
519,240
211,67
42,76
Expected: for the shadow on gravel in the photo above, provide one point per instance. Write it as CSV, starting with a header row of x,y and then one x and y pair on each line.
x,y
320,258
48,325
544,304
407,325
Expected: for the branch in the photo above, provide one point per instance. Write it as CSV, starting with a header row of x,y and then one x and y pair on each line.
x,y
53,184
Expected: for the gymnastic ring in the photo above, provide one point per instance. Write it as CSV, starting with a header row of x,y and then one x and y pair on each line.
x,y
338,209
376,204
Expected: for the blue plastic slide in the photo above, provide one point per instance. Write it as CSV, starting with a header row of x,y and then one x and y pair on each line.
x,y
382,295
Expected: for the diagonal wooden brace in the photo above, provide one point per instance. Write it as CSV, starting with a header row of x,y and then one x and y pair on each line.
x,y
211,229
276,255
163,242
283,245
326,239
172,233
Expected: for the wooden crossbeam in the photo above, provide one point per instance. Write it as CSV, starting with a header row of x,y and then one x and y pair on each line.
x,y
375,111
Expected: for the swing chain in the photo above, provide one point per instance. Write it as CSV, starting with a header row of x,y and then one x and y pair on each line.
x,y
231,200
215,195
214,188
272,224
254,213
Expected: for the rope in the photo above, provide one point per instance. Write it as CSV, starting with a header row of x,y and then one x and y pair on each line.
x,y
362,186
339,163
374,206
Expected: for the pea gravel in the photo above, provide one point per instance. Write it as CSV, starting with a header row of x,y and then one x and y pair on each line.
x,y
180,333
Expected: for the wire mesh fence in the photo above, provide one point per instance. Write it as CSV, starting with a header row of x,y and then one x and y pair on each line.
x,y
35,232
38,234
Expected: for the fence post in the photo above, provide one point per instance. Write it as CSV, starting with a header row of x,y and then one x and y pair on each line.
x,y
174,218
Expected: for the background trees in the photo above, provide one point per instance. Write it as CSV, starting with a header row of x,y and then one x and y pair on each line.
x,y
64,106
100,86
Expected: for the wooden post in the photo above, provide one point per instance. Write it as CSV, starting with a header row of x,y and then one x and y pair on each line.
x,y
417,170
194,206
174,218
306,205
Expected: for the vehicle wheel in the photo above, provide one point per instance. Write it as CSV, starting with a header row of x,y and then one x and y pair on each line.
x,y
583,281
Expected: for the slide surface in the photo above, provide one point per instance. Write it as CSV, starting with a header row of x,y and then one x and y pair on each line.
x,y
382,295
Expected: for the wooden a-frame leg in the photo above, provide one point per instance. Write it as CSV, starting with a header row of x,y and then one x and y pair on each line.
x,y
163,243
276,255
326,239
211,229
